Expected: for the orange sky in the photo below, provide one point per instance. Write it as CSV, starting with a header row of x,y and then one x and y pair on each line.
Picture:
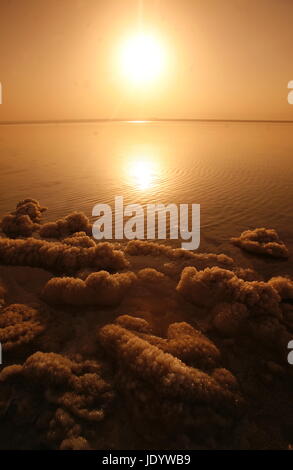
x,y
227,59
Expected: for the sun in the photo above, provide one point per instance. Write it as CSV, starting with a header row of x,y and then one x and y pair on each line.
x,y
142,59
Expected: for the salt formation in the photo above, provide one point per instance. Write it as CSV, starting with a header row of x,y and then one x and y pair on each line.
x,y
236,306
182,341
193,346
67,394
75,222
100,288
214,285
179,255
24,220
59,256
176,394
80,239
262,241
19,325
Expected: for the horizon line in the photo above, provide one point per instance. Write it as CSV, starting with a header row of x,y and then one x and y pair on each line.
x,y
92,121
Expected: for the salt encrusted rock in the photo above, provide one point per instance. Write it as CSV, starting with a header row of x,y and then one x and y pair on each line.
x,y
262,241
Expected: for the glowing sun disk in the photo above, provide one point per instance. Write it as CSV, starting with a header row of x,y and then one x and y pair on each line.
x,y
142,58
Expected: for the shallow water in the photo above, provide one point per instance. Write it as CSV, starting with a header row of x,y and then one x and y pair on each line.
x,y
240,173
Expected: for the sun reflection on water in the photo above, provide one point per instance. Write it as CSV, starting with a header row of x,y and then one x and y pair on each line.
x,y
142,173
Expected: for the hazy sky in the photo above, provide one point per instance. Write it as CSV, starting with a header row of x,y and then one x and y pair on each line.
x,y
226,59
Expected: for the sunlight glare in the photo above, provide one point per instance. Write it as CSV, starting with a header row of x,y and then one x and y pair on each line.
x,y
142,59
142,173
